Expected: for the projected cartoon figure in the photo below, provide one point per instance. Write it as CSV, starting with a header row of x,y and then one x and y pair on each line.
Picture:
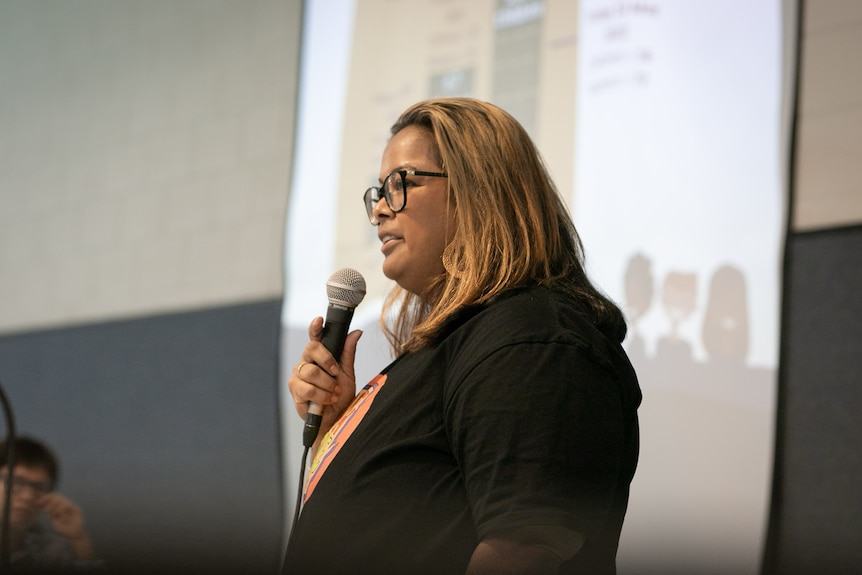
x,y
678,298
725,324
639,294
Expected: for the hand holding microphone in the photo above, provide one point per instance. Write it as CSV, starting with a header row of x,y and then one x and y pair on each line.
x,y
345,289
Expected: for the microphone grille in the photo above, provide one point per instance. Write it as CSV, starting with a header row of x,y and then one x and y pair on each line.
x,y
345,287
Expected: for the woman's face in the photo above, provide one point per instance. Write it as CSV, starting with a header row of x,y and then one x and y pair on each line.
x,y
414,238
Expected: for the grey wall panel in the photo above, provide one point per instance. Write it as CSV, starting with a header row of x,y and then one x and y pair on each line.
x,y
167,432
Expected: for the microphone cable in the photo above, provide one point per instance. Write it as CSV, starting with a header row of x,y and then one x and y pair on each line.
x,y
300,489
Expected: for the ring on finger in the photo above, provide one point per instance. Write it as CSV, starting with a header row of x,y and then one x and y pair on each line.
x,y
299,368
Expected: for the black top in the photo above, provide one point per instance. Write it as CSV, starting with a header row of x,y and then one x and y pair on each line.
x,y
521,414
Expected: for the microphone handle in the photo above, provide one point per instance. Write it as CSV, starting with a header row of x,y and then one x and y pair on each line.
x,y
334,333
335,329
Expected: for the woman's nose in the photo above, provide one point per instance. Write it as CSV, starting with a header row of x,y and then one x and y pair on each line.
x,y
381,208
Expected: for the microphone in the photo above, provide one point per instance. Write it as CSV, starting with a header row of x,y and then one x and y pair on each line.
x,y
345,288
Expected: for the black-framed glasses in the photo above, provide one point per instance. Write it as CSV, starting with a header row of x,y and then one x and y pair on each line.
x,y
19,484
393,190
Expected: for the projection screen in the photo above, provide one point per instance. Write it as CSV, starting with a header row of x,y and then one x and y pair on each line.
x,y
661,122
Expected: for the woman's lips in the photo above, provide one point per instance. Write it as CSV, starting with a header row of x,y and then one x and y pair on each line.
x,y
387,241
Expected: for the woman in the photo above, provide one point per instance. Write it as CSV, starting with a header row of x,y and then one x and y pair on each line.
x,y
503,438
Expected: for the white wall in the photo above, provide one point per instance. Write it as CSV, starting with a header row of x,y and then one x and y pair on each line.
x,y
829,179
145,153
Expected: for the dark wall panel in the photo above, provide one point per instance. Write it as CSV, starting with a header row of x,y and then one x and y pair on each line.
x,y
817,500
167,431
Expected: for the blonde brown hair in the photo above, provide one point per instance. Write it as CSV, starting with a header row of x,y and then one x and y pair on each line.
x,y
512,229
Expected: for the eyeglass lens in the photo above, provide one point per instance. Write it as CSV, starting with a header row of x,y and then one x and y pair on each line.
x,y
392,191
